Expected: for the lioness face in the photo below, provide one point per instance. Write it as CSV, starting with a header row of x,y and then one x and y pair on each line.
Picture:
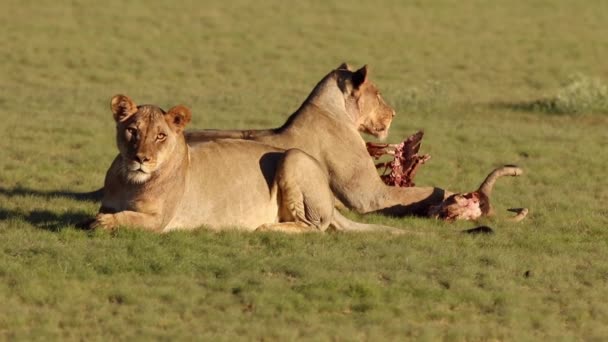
x,y
145,141
376,115
146,136
373,115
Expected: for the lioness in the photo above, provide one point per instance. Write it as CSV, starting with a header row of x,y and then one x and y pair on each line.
x,y
327,126
159,183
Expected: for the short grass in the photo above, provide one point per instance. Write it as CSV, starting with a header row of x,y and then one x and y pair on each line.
x,y
483,79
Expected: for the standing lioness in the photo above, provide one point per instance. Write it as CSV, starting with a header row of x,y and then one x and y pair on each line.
x,y
159,183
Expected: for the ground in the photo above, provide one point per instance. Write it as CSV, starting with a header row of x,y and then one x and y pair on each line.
x,y
520,82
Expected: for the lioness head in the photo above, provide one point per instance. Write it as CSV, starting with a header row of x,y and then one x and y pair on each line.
x,y
363,101
146,136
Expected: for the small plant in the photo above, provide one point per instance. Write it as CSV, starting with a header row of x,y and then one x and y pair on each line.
x,y
582,94
579,94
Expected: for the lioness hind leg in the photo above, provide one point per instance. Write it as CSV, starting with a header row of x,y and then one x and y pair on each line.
x,y
305,198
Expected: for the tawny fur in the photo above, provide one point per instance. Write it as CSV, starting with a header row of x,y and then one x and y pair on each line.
x,y
327,126
159,183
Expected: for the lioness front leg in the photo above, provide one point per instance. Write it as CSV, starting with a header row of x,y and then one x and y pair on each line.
x,y
365,193
397,201
356,183
127,218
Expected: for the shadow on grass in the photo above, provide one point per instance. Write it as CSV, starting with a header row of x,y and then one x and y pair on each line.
x,y
547,105
52,221
79,196
46,219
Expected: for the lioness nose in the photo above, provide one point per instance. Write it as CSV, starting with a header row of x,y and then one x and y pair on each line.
x,y
141,158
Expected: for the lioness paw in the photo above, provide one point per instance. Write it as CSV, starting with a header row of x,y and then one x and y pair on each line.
x,y
104,221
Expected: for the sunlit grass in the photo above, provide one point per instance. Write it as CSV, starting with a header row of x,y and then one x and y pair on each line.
x,y
462,71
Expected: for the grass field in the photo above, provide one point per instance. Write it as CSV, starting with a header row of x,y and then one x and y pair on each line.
x,y
490,82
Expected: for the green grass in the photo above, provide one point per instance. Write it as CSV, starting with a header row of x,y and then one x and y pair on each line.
x,y
483,79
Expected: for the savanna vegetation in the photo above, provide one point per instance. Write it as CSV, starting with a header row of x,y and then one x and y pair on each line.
x,y
521,82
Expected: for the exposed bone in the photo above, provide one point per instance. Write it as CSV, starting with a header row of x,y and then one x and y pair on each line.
x,y
402,169
464,206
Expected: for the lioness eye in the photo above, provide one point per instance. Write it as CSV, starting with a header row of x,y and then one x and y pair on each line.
x,y
132,130
161,136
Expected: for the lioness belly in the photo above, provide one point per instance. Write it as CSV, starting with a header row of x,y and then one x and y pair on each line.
x,y
230,184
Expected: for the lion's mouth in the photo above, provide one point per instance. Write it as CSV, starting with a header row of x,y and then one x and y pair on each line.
x,y
138,168
137,174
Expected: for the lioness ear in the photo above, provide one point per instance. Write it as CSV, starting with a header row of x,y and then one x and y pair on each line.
x,y
178,117
360,77
344,66
122,107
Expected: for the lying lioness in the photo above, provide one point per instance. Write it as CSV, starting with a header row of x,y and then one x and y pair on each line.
x,y
159,183
327,126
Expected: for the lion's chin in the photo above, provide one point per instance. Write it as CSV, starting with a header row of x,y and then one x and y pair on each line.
x,y
381,135
137,177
